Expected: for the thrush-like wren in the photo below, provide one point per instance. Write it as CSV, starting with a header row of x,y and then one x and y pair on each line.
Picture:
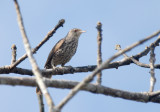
x,y
63,51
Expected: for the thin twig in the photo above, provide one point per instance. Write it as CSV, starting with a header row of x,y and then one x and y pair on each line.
x,y
47,37
145,52
34,65
152,61
98,69
93,88
118,47
14,49
99,52
41,104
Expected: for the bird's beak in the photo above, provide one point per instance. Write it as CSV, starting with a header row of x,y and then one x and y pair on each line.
x,y
82,31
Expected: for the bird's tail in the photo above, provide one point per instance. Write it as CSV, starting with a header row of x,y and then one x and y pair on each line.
x,y
38,90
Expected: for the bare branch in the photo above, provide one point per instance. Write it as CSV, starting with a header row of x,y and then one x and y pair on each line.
x,y
152,61
34,65
69,70
93,88
47,37
41,104
99,56
14,49
118,47
98,69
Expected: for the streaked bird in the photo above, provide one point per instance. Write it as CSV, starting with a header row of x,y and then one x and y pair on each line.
x,y
63,51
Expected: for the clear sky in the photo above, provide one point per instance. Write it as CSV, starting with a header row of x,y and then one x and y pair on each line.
x,y
124,22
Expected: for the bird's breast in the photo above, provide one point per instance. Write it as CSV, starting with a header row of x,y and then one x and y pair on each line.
x,y
65,52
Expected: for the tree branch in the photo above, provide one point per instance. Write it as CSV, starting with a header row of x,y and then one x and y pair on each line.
x,y
14,49
152,61
98,69
99,52
93,88
69,70
47,37
118,47
34,65
41,104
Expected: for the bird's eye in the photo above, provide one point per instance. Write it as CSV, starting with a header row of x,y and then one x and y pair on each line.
x,y
75,30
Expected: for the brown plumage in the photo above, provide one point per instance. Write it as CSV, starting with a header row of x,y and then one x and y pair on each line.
x,y
63,51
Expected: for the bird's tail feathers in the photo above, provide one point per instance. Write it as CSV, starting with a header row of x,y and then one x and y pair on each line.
x,y
38,90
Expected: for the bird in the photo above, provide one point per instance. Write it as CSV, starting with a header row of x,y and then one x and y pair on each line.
x,y
63,51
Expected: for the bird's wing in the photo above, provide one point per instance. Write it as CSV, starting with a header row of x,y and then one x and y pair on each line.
x,y
52,52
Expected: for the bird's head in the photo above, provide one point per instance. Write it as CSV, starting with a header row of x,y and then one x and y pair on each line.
x,y
75,33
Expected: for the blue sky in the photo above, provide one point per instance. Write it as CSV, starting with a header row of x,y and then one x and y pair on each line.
x,y
124,22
